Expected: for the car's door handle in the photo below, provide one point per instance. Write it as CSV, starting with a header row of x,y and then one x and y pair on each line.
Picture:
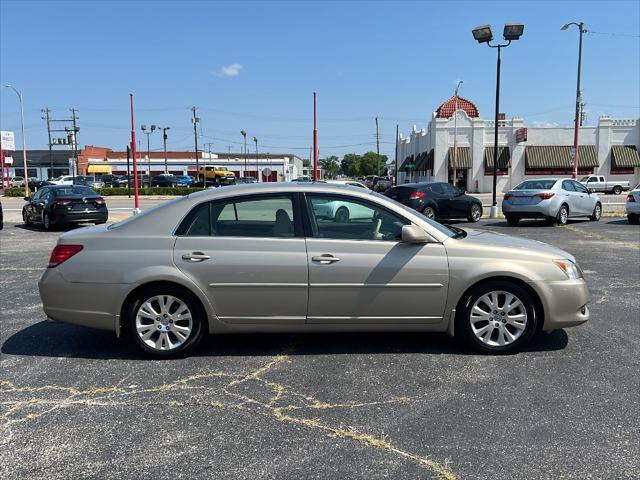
x,y
325,259
195,257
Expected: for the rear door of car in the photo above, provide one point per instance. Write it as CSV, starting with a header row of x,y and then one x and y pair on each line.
x,y
249,255
360,272
571,198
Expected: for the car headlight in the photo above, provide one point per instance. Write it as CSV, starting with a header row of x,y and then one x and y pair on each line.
x,y
571,269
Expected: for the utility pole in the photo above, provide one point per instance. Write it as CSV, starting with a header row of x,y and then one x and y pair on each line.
x,y
378,145
164,140
136,200
195,121
46,117
74,140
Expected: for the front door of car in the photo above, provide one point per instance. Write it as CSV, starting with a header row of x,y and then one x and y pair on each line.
x,y
36,205
249,255
441,197
360,272
458,205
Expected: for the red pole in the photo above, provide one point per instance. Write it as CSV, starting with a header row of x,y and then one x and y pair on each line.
x,y
315,141
136,202
2,161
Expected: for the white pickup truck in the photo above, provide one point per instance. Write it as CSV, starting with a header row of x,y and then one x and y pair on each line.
x,y
598,183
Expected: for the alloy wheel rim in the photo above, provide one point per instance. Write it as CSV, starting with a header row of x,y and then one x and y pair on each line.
x,y
498,318
563,215
163,322
598,211
428,212
475,213
46,221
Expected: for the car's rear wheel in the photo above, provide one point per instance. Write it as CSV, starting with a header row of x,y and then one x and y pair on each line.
x,y
597,213
165,321
475,213
46,221
497,317
429,212
617,190
563,215
511,220
342,215
633,219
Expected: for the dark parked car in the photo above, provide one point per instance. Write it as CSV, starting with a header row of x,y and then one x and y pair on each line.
x,y
246,180
381,184
437,200
88,181
143,181
168,181
64,204
108,180
35,184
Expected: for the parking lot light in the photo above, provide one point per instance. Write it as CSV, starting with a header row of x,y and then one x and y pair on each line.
x,y
483,34
513,31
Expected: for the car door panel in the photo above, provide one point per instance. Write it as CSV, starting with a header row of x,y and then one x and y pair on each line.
x,y
376,282
372,278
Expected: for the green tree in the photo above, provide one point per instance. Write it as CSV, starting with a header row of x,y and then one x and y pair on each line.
x,y
330,166
372,164
350,164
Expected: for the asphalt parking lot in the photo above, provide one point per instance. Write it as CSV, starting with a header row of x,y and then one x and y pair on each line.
x,y
78,403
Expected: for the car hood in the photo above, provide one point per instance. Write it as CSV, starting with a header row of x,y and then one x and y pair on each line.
x,y
508,246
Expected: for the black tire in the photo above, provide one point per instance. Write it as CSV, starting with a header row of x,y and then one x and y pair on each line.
x,y
511,220
342,215
617,190
25,218
463,327
217,181
475,213
46,221
197,314
633,219
429,212
597,213
563,215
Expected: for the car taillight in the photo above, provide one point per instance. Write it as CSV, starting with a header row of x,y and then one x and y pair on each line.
x,y
99,201
546,195
416,195
62,203
631,198
62,253
507,196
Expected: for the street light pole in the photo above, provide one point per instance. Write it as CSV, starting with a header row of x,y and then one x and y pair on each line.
x,y
164,140
455,135
244,134
136,199
576,129
483,34
255,139
315,140
24,142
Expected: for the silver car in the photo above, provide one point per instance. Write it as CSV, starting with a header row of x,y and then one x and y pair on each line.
x,y
256,258
632,205
554,199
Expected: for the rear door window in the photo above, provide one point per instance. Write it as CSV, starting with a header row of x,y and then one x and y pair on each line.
x,y
567,185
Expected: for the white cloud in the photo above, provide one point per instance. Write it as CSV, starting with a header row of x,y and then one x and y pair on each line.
x,y
232,70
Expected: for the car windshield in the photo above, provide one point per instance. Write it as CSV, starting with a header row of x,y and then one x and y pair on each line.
x,y
584,179
74,190
536,185
441,228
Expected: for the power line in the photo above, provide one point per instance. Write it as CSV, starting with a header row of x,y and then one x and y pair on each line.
x,y
613,34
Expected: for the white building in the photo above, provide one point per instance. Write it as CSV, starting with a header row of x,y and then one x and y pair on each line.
x,y
610,149
272,167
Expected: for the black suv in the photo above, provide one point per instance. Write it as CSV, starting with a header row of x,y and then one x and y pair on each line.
x,y
437,200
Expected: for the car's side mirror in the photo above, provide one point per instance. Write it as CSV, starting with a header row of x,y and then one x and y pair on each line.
x,y
415,234
27,199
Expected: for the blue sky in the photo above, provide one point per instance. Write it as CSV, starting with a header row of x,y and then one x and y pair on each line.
x,y
254,66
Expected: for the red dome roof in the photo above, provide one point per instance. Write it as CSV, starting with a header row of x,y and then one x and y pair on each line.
x,y
447,108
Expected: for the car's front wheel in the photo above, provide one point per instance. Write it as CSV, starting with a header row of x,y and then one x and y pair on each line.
x,y
475,213
429,212
46,221
342,215
597,213
563,215
25,218
165,321
497,317
617,190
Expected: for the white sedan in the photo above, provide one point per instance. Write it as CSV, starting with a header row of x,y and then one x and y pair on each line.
x,y
63,180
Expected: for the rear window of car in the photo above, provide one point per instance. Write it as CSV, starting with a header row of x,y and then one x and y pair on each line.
x,y
73,190
536,185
